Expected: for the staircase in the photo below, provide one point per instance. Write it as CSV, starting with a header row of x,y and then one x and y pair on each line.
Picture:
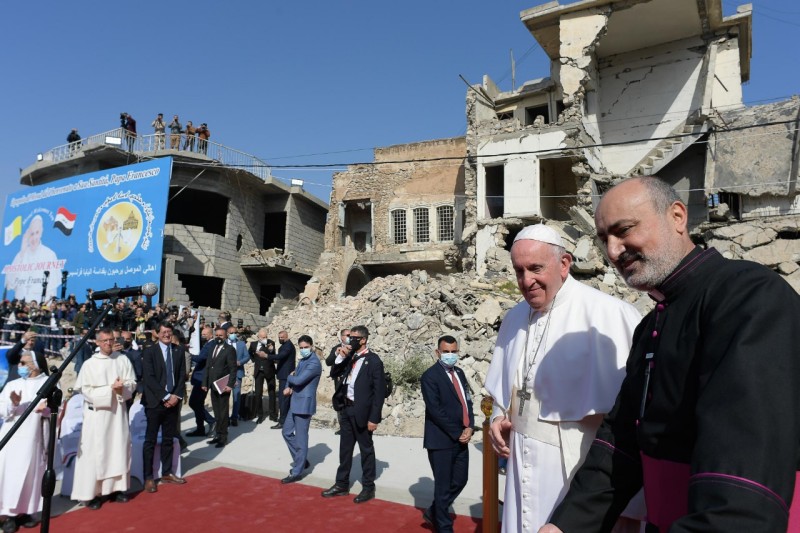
x,y
278,305
668,149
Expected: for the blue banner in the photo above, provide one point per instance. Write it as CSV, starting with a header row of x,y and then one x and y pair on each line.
x,y
102,228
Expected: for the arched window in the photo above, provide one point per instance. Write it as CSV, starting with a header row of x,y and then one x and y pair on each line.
x,y
445,217
399,226
422,224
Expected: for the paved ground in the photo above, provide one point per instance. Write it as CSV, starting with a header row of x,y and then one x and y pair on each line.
x,y
404,474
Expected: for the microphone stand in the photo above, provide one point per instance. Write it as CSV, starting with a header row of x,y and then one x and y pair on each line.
x,y
53,394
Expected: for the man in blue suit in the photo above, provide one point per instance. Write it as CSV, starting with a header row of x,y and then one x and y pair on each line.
x,y
448,430
301,387
284,360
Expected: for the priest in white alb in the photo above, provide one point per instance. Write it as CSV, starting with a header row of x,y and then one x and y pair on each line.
x,y
556,369
23,460
102,467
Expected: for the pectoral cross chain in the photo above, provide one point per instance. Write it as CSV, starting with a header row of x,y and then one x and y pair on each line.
x,y
523,396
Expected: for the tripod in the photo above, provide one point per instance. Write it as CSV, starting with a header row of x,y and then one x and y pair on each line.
x,y
52,393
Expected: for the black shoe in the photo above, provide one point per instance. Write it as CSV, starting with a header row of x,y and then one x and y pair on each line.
x,y
290,479
234,422
221,444
277,426
196,433
213,441
337,432
121,497
427,515
95,503
336,490
261,419
28,521
274,418
364,496
10,525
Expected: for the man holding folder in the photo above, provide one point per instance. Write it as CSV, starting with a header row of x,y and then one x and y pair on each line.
x,y
220,378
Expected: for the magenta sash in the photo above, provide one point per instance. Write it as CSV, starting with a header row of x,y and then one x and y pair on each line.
x,y
666,489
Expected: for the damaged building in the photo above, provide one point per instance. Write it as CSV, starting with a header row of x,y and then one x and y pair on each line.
x,y
403,212
625,98
235,238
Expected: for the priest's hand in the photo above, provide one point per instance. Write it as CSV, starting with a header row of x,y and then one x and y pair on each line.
x,y
549,528
15,398
117,386
500,431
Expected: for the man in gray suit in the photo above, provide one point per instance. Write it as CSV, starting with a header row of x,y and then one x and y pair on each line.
x,y
301,388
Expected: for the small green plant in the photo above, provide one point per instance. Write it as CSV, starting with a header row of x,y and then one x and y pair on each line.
x,y
407,371
508,287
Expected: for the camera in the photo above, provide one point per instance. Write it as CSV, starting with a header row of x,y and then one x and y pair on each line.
x,y
239,323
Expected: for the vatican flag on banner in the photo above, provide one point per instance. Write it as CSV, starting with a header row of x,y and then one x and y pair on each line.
x,y
13,230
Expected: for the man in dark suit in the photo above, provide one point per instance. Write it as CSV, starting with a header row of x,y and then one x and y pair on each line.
x,y
264,371
164,381
285,366
197,398
361,395
343,348
224,320
448,430
221,363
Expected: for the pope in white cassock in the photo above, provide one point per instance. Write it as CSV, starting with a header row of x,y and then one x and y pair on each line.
x,y
557,367
103,463
23,460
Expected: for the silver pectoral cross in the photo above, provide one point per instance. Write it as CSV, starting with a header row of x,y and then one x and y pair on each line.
x,y
523,396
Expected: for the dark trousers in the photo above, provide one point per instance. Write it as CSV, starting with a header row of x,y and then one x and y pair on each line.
x,y
284,401
220,404
450,468
351,434
166,420
197,402
261,378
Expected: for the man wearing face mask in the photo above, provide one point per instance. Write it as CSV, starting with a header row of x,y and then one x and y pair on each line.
x,y
22,462
448,430
27,343
301,385
242,356
285,366
197,398
343,348
362,392
221,364
135,357
264,372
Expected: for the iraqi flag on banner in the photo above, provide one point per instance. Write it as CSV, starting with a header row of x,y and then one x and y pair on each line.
x,y
64,220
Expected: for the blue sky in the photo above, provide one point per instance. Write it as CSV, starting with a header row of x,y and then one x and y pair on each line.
x,y
291,82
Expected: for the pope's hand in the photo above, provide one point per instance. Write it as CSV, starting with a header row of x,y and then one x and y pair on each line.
x,y
500,432
15,398
549,528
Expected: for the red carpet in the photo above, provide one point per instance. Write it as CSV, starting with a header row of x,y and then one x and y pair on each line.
x,y
229,500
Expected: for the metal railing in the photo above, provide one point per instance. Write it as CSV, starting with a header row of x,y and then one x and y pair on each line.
x,y
158,145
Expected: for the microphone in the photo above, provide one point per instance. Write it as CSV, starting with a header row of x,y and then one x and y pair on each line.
x,y
148,289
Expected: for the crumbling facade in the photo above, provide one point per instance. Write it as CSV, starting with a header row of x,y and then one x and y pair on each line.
x,y
626,98
403,212
235,238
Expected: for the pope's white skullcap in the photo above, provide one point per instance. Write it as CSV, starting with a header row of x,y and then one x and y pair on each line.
x,y
541,233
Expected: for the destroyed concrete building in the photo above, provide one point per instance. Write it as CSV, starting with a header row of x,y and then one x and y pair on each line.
x,y
625,98
403,212
235,237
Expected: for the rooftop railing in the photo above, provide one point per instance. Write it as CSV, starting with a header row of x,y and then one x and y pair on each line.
x,y
161,144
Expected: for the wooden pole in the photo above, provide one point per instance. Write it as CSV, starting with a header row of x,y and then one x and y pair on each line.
x,y
491,503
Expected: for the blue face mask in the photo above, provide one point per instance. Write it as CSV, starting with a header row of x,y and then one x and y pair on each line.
x,y
24,371
233,337
449,359
305,352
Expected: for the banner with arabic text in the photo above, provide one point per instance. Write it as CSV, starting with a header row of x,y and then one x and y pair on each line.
x,y
94,230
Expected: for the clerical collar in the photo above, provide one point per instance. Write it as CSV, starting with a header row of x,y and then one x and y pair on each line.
x,y
674,283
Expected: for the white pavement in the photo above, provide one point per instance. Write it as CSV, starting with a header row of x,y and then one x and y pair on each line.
x,y
403,472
